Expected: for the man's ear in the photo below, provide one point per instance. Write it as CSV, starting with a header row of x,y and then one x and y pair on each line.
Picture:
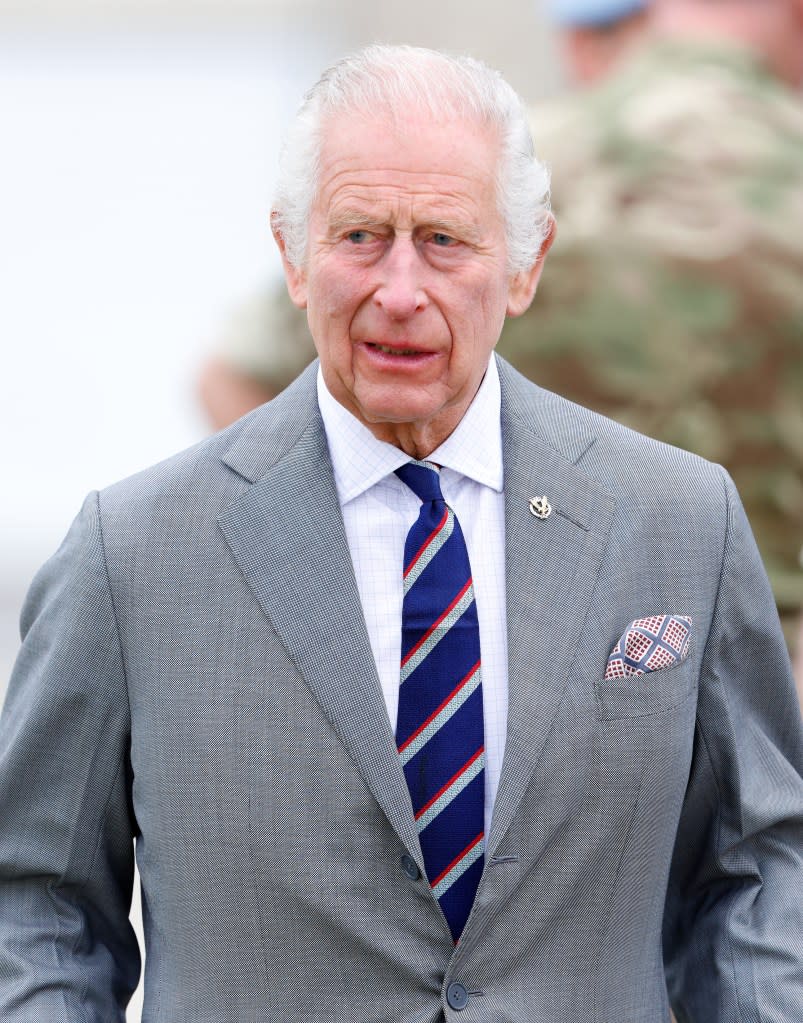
x,y
523,284
295,276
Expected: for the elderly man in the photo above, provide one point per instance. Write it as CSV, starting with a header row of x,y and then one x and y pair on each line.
x,y
422,693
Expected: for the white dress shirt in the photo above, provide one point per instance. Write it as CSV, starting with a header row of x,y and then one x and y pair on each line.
x,y
378,510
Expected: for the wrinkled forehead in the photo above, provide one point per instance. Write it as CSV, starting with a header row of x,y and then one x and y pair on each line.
x,y
412,143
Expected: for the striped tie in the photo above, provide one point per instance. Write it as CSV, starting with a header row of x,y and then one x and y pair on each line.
x,y
439,731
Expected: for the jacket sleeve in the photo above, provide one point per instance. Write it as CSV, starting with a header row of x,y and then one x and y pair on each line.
x,y
733,935
67,950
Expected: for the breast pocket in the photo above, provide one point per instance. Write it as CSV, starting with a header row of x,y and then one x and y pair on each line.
x,y
633,696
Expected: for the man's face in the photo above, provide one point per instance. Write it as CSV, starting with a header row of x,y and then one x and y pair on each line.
x,y
405,282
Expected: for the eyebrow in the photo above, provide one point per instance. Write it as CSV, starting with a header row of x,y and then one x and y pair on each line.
x,y
465,230
354,219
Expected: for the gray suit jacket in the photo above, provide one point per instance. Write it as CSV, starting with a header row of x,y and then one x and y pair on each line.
x,y
196,676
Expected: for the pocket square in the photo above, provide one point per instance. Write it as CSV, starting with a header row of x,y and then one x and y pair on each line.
x,y
648,644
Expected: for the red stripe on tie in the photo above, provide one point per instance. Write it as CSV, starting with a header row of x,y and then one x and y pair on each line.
x,y
456,860
436,623
427,542
449,783
439,708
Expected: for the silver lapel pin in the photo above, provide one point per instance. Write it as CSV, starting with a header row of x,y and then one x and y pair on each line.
x,y
540,507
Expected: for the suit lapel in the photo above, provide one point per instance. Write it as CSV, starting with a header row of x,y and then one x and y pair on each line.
x,y
551,569
287,535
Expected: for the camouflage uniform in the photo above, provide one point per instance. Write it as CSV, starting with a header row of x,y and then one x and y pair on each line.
x,y
672,299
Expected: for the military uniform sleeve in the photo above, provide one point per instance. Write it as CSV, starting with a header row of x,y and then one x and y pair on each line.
x,y
67,950
733,938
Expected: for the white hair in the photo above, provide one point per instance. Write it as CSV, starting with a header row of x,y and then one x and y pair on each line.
x,y
391,80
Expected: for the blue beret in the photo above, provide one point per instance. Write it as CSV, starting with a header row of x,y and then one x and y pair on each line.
x,y
593,12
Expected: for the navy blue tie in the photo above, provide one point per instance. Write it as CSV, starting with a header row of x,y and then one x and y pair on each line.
x,y
439,732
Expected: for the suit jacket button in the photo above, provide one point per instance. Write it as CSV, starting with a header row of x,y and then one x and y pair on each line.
x,y
457,996
410,867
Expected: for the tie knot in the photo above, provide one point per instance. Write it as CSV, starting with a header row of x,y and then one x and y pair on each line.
x,y
423,478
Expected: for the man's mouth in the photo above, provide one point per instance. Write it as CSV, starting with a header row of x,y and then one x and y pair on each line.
x,y
397,350
388,350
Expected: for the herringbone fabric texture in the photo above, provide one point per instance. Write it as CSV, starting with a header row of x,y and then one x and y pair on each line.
x,y
439,731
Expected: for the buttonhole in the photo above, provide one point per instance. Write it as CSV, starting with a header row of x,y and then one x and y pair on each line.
x,y
504,859
573,520
476,994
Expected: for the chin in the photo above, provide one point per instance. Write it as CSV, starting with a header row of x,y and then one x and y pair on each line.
x,y
394,415
391,405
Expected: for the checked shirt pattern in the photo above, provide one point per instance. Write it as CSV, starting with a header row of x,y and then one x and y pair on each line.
x,y
439,731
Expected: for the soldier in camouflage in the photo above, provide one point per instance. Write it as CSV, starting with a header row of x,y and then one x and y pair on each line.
x,y
673,301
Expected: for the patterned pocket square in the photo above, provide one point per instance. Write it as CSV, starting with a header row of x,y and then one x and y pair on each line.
x,y
648,644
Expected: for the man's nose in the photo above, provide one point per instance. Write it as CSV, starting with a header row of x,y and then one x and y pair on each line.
x,y
401,292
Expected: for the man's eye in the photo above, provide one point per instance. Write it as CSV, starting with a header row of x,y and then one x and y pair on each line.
x,y
358,237
442,239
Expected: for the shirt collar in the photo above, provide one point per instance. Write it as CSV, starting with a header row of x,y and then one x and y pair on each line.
x,y
473,449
